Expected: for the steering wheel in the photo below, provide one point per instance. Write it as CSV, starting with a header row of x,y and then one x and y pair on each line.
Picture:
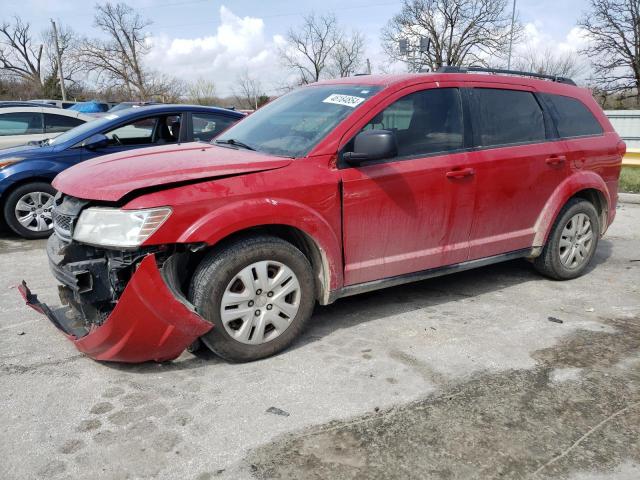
x,y
116,138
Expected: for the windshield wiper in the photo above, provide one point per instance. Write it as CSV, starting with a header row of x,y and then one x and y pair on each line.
x,y
235,143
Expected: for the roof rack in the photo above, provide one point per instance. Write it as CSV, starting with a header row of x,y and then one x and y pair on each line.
x,y
554,78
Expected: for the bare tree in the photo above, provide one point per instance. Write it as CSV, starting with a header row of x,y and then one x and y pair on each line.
x,y
202,92
461,32
549,62
21,56
248,91
613,28
118,59
309,47
347,55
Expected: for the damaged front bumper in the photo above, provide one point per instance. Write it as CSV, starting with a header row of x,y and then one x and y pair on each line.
x,y
148,319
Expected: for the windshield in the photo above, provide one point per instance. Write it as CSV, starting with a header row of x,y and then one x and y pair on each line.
x,y
80,130
295,123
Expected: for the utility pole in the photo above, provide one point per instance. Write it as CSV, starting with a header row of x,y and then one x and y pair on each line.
x,y
55,36
513,20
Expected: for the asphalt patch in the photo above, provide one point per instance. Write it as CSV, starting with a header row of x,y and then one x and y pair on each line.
x,y
538,423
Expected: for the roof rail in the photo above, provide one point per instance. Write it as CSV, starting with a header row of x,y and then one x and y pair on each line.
x,y
554,78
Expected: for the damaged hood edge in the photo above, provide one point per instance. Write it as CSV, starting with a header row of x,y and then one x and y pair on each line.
x,y
112,177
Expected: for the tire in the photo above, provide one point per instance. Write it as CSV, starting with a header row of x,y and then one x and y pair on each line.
x,y
561,245
30,191
231,274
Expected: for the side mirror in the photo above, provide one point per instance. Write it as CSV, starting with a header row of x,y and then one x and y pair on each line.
x,y
95,142
372,145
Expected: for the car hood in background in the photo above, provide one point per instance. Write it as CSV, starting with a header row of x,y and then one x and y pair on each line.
x,y
26,151
111,177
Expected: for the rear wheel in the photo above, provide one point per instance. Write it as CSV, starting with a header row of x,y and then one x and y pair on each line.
x,y
572,242
258,293
28,210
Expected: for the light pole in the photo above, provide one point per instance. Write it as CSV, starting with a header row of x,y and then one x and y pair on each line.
x,y
57,45
513,20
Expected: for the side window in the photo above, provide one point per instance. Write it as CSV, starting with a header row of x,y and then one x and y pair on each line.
x,y
139,132
504,117
425,122
59,123
572,117
207,126
20,123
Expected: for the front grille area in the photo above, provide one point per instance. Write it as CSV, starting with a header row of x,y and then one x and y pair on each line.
x,y
62,224
66,210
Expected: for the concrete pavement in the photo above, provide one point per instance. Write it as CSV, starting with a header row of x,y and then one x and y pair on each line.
x,y
463,376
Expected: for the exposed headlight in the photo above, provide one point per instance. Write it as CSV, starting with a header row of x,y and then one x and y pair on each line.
x,y
9,161
113,227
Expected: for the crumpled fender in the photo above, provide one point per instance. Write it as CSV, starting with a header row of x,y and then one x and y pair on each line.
x,y
249,213
147,323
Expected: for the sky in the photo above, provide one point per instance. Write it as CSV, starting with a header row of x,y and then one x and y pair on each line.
x,y
220,40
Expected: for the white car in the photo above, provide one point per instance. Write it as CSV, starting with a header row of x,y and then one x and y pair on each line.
x,y
20,125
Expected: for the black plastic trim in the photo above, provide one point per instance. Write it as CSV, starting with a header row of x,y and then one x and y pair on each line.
x,y
426,274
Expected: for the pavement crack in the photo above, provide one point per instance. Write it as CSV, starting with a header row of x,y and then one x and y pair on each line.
x,y
13,369
585,436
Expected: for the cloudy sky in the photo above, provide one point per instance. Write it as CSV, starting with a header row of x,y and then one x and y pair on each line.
x,y
219,40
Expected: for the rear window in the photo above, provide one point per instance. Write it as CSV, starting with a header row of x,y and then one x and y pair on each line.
x,y
572,117
60,123
504,117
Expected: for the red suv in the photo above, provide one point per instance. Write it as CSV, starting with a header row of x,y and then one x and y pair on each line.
x,y
340,187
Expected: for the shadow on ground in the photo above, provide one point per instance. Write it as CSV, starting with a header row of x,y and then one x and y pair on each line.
x,y
578,410
367,307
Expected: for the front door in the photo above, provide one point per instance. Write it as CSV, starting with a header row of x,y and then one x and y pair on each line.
x,y
412,212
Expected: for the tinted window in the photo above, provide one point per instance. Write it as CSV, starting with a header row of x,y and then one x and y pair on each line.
x,y
59,123
572,117
424,122
503,117
20,123
205,126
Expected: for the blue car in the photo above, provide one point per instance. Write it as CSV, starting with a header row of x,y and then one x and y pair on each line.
x,y
26,172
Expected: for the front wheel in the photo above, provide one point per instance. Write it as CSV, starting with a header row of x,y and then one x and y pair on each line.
x,y
572,242
27,210
258,293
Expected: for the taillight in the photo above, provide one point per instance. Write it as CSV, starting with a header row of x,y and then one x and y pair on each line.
x,y
622,148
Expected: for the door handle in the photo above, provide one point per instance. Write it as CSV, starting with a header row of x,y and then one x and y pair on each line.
x,y
462,173
555,160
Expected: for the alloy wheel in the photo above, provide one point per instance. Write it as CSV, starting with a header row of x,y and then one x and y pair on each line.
x,y
576,241
33,211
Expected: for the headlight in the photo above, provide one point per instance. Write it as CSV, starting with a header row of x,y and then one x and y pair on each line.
x,y
113,227
9,161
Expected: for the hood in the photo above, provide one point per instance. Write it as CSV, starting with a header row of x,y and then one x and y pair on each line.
x,y
111,177
25,151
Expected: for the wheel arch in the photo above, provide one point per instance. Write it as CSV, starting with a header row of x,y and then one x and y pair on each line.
x,y
298,238
584,184
23,181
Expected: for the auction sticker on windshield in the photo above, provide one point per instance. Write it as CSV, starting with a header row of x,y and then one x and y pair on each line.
x,y
346,100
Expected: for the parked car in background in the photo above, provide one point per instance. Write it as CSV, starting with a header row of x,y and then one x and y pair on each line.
x,y
125,105
21,125
90,107
26,194
55,103
341,187
20,103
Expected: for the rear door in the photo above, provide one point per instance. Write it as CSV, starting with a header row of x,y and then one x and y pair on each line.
x,y
411,212
519,163
206,126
